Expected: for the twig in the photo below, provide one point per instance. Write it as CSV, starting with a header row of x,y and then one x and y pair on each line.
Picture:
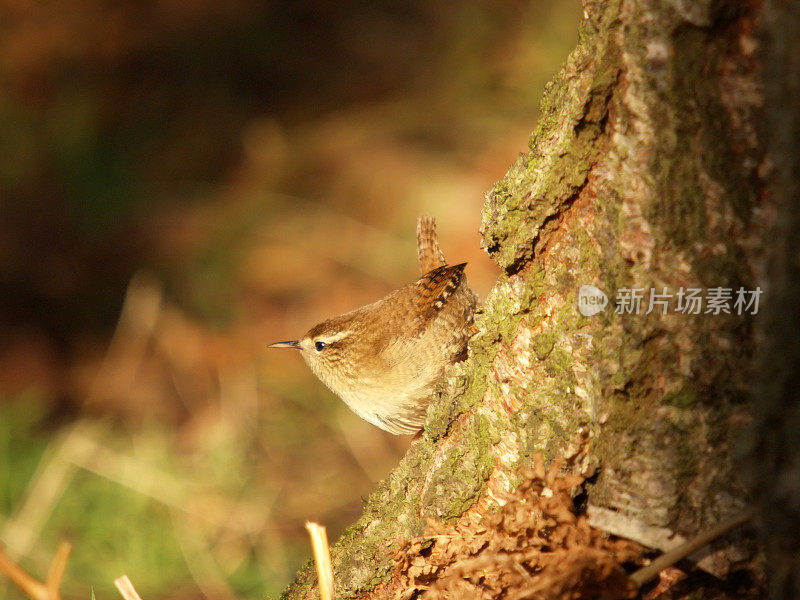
x,y
56,572
125,587
322,559
36,590
672,556
20,578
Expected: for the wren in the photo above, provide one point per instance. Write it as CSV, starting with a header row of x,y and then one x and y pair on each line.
x,y
384,359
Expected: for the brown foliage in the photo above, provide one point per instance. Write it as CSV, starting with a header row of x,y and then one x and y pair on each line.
x,y
533,546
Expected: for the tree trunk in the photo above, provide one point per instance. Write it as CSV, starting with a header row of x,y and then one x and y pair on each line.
x,y
644,173
772,446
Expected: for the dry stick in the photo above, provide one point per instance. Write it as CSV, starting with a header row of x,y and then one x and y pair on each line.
x,y
30,586
20,578
672,556
57,568
125,587
322,559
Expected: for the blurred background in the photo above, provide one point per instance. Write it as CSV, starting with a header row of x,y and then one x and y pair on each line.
x,y
186,181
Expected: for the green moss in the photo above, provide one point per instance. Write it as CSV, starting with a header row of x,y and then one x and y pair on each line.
x,y
560,365
361,556
458,395
685,465
527,422
498,321
303,583
537,433
686,397
678,209
462,477
532,192
543,344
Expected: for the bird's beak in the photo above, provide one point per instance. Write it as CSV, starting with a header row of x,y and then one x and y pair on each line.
x,y
290,344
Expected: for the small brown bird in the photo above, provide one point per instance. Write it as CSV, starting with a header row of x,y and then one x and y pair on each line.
x,y
384,359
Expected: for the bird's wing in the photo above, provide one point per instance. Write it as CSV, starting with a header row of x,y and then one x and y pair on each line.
x,y
433,291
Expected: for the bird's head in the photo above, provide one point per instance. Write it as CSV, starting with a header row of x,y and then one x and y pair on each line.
x,y
327,348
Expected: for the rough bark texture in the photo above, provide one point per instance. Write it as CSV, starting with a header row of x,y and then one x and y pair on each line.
x,y
642,173
772,446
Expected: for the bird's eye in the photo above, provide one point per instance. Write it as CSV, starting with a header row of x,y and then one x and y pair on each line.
x,y
320,346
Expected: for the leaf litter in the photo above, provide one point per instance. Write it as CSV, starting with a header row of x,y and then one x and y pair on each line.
x,y
534,546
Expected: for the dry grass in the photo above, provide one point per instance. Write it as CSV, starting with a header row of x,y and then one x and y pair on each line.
x,y
50,588
322,559
125,587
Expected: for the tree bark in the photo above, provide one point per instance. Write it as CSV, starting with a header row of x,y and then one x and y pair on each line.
x,y
772,446
644,172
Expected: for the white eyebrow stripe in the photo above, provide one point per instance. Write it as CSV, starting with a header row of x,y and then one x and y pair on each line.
x,y
329,339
